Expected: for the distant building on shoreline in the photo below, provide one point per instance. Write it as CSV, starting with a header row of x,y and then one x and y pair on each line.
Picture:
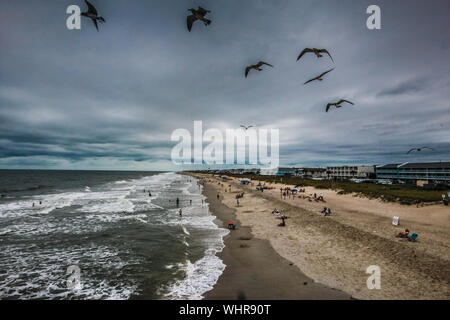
x,y
351,172
438,172
313,173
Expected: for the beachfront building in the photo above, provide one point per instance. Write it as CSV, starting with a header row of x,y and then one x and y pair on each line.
x,y
251,171
313,173
351,172
268,171
434,172
387,171
287,171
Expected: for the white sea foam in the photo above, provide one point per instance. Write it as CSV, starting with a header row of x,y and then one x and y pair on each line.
x,y
201,277
185,230
25,279
49,203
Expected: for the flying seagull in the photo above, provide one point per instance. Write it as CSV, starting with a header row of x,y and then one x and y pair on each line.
x,y
198,14
246,127
337,104
317,52
256,67
418,149
319,77
92,13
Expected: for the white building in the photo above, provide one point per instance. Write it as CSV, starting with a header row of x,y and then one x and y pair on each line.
x,y
351,172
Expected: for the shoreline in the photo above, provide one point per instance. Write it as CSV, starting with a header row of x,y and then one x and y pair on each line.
x,y
254,270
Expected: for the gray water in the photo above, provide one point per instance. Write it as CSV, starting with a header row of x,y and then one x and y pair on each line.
x,y
126,244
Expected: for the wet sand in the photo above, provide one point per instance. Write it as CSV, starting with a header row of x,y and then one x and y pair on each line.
x,y
254,270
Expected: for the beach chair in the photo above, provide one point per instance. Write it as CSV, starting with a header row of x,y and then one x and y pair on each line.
x,y
413,237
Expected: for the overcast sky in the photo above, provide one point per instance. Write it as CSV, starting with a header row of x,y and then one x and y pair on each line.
x,y
84,99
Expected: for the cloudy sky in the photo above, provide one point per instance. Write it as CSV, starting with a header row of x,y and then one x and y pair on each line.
x,y
84,99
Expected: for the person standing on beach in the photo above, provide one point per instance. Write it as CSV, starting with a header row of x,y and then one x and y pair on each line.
x,y
218,197
180,212
283,223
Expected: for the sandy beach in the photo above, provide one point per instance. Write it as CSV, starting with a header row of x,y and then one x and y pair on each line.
x,y
254,269
330,252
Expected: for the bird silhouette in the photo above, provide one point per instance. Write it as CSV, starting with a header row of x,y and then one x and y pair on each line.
x,y
337,104
92,14
246,127
317,52
418,149
198,14
256,67
320,78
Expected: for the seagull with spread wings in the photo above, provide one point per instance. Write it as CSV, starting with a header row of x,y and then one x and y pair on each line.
x,y
246,127
92,14
198,14
418,149
317,52
320,78
256,67
337,104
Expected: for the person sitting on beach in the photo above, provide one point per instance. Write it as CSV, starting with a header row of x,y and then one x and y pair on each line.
x,y
328,212
403,234
231,225
324,210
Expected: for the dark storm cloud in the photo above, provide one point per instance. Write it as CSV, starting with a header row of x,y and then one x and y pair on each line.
x,y
111,99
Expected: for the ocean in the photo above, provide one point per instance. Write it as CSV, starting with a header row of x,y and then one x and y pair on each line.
x,y
121,242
